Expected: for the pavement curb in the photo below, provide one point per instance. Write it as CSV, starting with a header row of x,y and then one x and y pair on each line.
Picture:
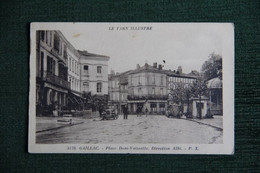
x,y
40,131
218,128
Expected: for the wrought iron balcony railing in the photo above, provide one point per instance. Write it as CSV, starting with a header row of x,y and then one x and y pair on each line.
x,y
147,97
49,77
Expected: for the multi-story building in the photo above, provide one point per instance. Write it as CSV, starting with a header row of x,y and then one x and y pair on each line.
x,y
146,87
75,99
175,78
52,84
94,73
118,89
65,73
74,70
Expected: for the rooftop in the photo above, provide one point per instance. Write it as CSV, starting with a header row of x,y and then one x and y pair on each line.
x,y
149,68
86,54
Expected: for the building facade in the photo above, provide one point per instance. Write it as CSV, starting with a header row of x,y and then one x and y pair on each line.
x,y
118,90
52,84
64,73
147,87
147,90
94,73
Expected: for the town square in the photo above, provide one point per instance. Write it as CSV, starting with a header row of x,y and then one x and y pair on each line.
x,y
140,130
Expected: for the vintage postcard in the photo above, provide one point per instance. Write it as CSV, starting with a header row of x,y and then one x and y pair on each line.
x,y
152,88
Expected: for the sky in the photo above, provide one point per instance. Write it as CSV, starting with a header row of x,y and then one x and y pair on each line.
x,y
179,44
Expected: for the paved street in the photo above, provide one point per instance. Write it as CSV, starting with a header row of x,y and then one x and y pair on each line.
x,y
151,129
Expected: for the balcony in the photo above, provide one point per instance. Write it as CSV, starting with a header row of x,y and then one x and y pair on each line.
x,y
147,97
56,80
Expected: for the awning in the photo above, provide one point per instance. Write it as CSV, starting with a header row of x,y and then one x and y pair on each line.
x,y
80,100
71,100
76,100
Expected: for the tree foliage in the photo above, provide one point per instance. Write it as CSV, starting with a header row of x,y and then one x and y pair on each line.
x,y
99,103
87,100
199,89
212,68
180,94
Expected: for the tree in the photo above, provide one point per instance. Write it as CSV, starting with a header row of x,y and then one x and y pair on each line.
x,y
199,89
212,68
177,93
181,94
87,99
99,103
188,95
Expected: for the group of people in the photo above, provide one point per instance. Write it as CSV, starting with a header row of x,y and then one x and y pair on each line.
x,y
125,111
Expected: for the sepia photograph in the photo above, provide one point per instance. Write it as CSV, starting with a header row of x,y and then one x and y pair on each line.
x,y
154,88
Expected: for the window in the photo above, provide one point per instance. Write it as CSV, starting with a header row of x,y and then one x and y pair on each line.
x,y
85,86
56,43
161,80
161,91
42,35
50,65
99,87
139,79
65,52
162,105
75,67
50,39
140,91
153,91
41,64
153,105
47,39
85,68
99,69
38,65
72,66
69,64
153,79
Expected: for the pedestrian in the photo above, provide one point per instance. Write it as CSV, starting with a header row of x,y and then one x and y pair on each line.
x,y
146,112
125,112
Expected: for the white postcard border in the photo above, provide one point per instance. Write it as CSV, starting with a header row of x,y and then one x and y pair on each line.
x,y
228,105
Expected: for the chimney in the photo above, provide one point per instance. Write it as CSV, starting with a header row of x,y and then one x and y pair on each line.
x,y
179,70
160,66
137,66
155,65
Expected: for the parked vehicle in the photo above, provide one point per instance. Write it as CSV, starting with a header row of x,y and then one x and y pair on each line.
x,y
173,111
109,113
66,119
